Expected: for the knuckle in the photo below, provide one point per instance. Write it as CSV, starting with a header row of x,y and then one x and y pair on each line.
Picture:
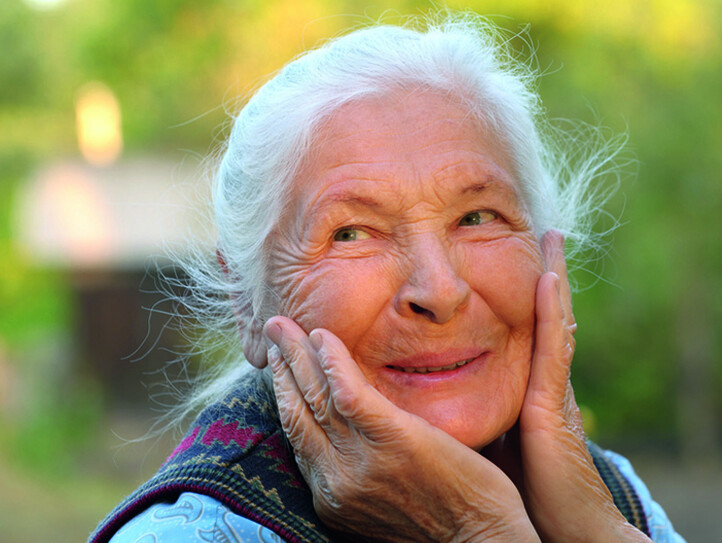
x,y
331,499
567,352
317,400
349,403
292,423
344,488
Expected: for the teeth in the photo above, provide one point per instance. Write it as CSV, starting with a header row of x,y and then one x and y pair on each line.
x,y
434,369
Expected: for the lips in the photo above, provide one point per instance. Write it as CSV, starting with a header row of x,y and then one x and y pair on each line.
x,y
432,369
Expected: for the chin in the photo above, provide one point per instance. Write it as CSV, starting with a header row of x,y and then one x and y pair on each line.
x,y
473,439
475,428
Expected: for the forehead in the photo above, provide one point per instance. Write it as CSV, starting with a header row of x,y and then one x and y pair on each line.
x,y
398,124
408,138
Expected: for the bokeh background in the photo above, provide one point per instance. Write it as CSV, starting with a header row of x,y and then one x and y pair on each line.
x,y
107,111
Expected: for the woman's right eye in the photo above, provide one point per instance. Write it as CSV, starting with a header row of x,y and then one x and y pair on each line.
x,y
350,234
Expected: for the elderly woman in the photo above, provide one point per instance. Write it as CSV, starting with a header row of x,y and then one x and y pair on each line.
x,y
389,246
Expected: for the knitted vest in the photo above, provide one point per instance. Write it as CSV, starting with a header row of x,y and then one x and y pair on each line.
x,y
236,453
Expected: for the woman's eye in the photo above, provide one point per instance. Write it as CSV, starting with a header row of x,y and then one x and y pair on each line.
x,y
350,234
477,217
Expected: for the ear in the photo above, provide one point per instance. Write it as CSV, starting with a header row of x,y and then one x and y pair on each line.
x,y
251,331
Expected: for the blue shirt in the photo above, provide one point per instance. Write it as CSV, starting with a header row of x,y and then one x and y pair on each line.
x,y
196,517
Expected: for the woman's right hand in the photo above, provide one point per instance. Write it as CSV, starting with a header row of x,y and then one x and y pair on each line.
x,y
375,470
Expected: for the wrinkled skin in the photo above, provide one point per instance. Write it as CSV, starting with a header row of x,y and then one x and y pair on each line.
x,y
406,246
421,284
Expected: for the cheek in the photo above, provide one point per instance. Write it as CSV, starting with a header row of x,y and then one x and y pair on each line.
x,y
342,296
505,274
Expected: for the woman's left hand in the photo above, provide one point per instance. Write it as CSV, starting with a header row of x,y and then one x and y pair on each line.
x,y
563,492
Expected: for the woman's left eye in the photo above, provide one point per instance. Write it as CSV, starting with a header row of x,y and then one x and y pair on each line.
x,y
477,217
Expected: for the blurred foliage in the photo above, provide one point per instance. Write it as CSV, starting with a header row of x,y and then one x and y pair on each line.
x,y
61,422
649,67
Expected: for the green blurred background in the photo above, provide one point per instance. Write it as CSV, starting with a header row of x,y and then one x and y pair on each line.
x,y
107,109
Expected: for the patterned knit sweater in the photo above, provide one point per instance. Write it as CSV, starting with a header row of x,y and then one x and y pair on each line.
x,y
236,453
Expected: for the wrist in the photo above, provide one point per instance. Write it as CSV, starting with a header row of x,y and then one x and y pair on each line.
x,y
518,529
616,528
612,529
628,533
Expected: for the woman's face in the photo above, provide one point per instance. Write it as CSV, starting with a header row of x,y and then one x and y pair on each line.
x,y
405,236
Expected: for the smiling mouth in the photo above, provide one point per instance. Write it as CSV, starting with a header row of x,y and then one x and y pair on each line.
x,y
456,365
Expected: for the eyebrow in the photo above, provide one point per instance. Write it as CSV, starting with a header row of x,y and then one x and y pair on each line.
x,y
344,199
493,184
367,201
476,188
353,200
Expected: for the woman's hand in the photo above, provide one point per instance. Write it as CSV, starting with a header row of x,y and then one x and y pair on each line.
x,y
563,492
375,470
385,474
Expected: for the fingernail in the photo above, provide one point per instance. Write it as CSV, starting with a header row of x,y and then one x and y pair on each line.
x,y
316,340
273,332
274,357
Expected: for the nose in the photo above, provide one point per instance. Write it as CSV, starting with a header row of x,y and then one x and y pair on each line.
x,y
434,289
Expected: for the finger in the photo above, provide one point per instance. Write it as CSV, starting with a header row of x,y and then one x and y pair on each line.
x,y
254,348
352,395
298,353
553,348
297,420
553,249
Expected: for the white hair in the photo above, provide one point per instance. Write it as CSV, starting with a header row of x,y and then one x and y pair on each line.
x,y
462,56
